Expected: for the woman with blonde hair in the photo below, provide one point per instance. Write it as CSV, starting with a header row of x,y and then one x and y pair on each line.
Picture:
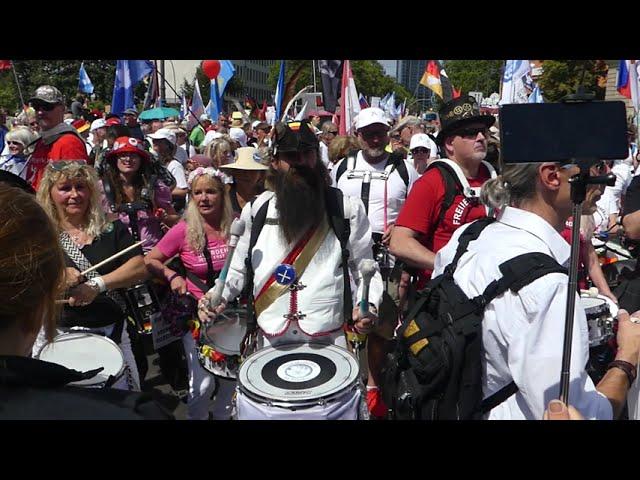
x,y
69,194
17,141
200,241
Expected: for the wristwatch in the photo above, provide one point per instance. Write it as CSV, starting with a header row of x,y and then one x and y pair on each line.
x,y
96,284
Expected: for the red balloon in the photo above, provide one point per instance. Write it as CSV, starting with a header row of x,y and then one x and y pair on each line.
x,y
211,68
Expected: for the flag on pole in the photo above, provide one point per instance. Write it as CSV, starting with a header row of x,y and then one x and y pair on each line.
x,y
363,102
5,65
431,78
536,95
227,70
214,107
329,74
84,85
349,104
128,74
279,93
634,73
623,84
184,108
514,82
197,107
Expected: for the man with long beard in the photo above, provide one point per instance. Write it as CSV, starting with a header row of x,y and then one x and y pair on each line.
x,y
296,233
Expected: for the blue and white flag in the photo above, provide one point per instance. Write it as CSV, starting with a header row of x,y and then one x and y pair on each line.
x,y
227,70
279,93
128,74
197,107
536,96
84,85
514,82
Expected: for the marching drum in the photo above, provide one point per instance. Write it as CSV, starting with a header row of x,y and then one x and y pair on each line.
x,y
219,343
299,382
87,351
600,312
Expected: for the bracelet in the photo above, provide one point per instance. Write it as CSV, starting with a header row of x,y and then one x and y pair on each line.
x,y
175,274
98,284
628,368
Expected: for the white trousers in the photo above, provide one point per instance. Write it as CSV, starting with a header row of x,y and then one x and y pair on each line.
x,y
201,382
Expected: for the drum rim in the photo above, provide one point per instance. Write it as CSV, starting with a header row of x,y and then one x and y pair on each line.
x,y
89,382
298,402
212,343
202,358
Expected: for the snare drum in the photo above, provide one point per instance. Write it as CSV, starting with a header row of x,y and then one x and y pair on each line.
x,y
219,343
142,302
600,312
299,381
84,352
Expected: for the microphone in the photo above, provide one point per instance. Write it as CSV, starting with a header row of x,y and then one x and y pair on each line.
x,y
236,231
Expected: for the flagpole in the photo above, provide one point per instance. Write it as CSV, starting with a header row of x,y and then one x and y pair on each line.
x,y
313,69
15,75
164,80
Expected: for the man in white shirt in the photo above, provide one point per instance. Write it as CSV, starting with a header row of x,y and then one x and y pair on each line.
x,y
523,333
382,181
164,145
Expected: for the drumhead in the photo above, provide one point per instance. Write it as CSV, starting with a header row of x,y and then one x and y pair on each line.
x,y
590,303
295,374
84,352
226,337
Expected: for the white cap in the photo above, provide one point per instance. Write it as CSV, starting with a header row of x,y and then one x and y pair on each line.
x,y
238,135
69,121
369,116
164,134
98,123
255,124
421,140
210,136
204,117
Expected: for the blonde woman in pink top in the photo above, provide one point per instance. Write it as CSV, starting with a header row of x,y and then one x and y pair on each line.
x,y
206,223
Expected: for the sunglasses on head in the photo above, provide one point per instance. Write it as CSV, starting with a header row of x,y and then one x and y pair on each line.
x,y
471,131
60,165
47,107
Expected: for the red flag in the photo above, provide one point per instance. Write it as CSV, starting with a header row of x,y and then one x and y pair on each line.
x,y
431,78
349,103
5,64
456,93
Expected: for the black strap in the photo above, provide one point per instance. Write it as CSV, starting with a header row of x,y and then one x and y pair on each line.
x,y
452,187
471,233
342,228
342,167
364,194
256,228
397,160
497,398
211,276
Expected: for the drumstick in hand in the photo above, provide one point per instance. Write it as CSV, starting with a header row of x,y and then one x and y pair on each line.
x,y
367,269
112,257
236,231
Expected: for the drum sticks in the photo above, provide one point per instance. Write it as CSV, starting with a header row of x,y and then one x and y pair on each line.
x,y
236,231
112,257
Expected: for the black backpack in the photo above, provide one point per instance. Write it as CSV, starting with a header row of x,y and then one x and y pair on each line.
x,y
340,226
435,370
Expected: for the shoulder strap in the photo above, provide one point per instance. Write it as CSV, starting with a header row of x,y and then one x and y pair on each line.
x,y
211,273
256,228
341,226
471,233
351,157
452,187
397,161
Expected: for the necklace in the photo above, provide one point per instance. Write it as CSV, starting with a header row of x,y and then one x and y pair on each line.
x,y
78,235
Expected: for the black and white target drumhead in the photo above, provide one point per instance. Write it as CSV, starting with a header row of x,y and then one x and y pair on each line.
x,y
298,373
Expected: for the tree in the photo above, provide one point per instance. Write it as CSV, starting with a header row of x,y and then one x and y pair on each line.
x,y
562,77
475,75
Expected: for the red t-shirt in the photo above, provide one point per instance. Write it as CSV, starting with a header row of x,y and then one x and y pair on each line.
x,y
67,147
421,212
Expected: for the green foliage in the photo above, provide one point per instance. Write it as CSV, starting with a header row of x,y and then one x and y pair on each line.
x,y
368,75
562,77
475,75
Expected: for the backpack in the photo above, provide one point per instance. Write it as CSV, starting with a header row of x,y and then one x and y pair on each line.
x,y
339,223
395,159
435,370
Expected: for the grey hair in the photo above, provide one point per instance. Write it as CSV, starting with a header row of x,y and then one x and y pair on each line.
x,y
21,134
409,121
516,185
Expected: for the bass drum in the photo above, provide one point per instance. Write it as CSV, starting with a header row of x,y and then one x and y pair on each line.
x,y
219,343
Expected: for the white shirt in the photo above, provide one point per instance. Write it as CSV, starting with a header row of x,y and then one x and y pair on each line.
x,y
523,333
324,155
321,299
397,191
177,170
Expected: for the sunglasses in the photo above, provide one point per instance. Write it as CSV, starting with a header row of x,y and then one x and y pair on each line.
x,y
471,132
11,142
419,150
47,107
334,132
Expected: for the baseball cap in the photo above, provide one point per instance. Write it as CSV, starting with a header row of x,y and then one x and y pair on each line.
x,y
130,111
113,121
98,123
81,125
422,140
48,94
164,134
204,117
370,116
238,135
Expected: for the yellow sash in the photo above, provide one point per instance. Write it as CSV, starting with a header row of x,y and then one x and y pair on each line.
x,y
274,290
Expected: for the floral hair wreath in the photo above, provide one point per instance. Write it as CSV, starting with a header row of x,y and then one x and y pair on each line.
x,y
212,172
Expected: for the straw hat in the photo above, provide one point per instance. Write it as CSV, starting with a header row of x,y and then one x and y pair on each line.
x,y
248,159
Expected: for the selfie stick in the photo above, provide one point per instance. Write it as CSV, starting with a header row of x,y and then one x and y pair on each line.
x,y
579,184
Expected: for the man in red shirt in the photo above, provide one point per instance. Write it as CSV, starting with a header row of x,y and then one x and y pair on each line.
x,y
422,228
58,141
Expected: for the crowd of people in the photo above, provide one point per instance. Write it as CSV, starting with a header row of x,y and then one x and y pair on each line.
x,y
124,208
